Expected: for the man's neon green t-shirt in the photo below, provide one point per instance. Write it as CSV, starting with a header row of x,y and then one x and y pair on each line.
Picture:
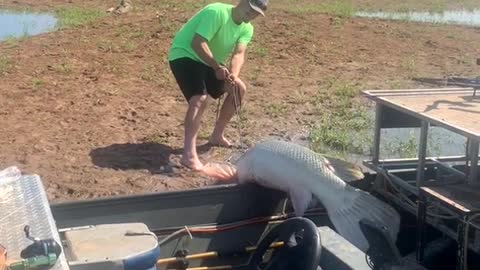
x,y
214,23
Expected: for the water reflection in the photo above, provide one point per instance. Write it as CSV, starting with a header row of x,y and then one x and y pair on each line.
x,y
21,24
460,17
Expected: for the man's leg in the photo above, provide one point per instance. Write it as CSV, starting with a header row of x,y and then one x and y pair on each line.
x,y
196,107
234,98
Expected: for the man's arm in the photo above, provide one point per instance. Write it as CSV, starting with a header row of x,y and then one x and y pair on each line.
x,y
200,47
238,59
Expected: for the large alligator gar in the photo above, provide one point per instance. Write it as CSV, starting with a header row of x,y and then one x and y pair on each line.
x,y
303,173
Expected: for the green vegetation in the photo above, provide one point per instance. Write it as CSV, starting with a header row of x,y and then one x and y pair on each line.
x,y
344,124
341,8
5,65
75,16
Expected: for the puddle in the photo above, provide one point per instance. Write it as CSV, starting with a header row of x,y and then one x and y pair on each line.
x,y
458,17
21,24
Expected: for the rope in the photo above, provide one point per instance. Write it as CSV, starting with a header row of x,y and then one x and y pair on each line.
x,y
237,106
411,204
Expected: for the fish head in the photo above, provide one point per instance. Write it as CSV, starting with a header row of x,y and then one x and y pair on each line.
x,y
220,171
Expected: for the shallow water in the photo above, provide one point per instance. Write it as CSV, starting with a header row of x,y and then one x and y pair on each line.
x,y
20,24
458,17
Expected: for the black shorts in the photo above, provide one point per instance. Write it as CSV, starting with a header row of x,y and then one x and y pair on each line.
x,y
195,78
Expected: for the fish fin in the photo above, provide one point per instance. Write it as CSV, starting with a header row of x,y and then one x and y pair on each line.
x,y
300,200
314,203
346,171
220,171
357,205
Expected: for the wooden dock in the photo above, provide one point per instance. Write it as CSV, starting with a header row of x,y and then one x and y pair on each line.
x,y
457,110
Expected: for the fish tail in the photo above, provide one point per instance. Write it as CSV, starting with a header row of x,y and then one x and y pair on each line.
x,y
220,171
362,205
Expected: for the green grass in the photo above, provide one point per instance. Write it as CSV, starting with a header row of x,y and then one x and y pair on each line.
x,y
346,8
150,74
344,124
107,46
410,64
257,71
344,131
241,120
75,16
276,110
5,65
128,46
408,147
259,50
11,41
341,8
156,138
65,68
37,83
115,66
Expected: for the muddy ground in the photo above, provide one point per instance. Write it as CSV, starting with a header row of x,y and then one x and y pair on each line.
x,y
95,111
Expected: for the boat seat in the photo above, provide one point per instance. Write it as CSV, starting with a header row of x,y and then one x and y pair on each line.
x,y
23,201
126,246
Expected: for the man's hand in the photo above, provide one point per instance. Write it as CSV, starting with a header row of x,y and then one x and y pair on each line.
x,y
222,73
231,84
232,79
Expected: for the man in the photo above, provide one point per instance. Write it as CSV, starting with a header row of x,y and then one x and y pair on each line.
x,y
197,59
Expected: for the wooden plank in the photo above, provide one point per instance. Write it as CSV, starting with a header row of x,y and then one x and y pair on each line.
x,y
419,90
463,197
455,109
445,199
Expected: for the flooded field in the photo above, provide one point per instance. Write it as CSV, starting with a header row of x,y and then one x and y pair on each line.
x,y
457,17
20,24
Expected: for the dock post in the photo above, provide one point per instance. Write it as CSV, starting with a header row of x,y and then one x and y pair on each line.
x,y
467,158
376,140
473,175
422,153
461,243
421,219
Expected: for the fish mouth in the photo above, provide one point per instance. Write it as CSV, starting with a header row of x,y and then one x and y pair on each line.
x,y
221,171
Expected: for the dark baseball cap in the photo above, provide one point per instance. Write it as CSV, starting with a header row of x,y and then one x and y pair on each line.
x,y
259,6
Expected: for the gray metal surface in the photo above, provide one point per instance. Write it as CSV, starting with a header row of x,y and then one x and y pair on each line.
x,y
106,246
23,202
216,204
338,253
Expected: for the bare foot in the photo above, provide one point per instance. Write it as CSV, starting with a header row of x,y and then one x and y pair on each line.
x,y
192,163
222,142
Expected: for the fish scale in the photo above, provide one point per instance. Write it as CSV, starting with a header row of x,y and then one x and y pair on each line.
x,y
298,156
